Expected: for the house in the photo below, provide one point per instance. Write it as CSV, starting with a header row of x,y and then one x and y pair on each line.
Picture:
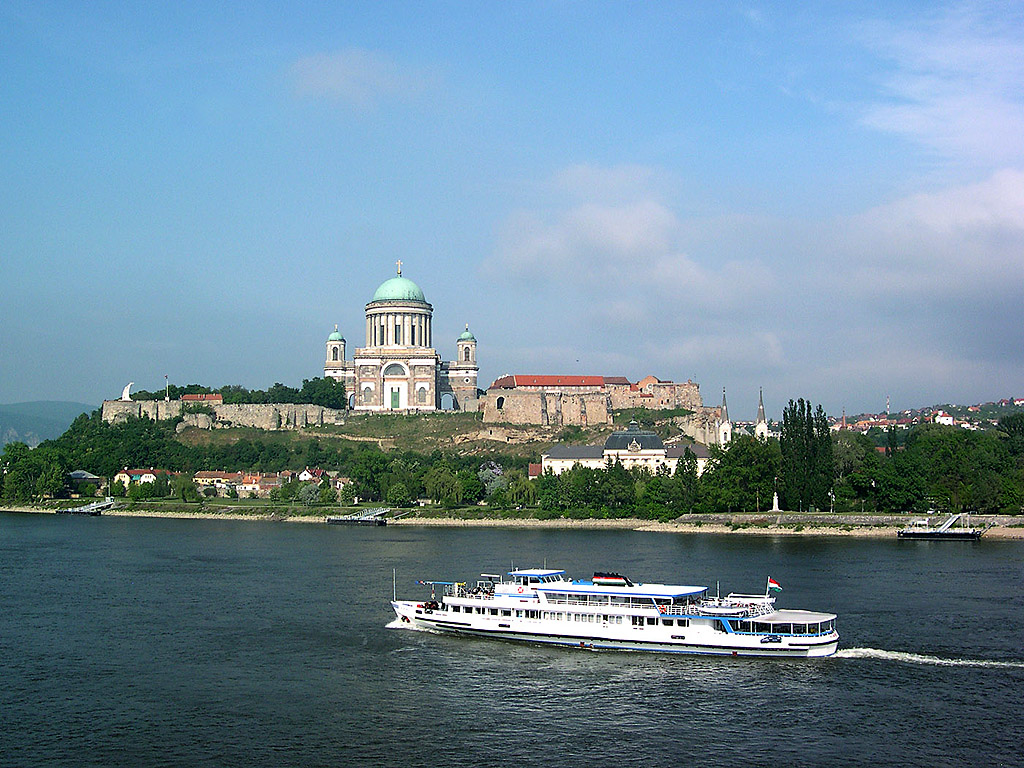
x,y
631,447
128,476
208,399
314,475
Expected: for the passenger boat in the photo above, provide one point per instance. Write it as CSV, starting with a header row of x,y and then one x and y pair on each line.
x,y
947,531
538,605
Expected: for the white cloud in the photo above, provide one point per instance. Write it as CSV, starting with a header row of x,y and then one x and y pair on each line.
x,y
622,252
911,294
358,77
956,86
966,240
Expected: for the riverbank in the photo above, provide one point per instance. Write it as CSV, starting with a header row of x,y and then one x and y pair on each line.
x,y
786,524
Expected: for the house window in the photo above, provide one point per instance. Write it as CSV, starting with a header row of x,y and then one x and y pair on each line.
x,y
367,395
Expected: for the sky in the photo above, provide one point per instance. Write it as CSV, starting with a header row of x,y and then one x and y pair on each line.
x,y
826,201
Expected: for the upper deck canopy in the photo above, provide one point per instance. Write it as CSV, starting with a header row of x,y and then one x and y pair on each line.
x,y
788,616
538,572
636,590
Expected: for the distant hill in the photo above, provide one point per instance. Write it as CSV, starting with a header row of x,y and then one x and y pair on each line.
x,y
34,422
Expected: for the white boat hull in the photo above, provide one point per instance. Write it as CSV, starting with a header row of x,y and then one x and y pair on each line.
x,y
698,638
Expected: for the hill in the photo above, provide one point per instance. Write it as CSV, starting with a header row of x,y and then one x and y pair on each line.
x,y
34,422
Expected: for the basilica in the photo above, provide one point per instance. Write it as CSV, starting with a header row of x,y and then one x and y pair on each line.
x,y
399,369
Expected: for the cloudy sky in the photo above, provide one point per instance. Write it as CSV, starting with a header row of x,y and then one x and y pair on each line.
x,y
827,202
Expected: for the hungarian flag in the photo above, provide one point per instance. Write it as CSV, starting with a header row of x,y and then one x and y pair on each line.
x,y
773,585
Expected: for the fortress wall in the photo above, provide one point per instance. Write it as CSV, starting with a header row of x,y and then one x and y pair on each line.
x,y
268,416
700,425
119,411
516,407
546,408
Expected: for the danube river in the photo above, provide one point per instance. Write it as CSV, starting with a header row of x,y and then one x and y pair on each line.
x,y
153,642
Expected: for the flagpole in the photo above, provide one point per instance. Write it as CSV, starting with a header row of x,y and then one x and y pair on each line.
x,y
766,586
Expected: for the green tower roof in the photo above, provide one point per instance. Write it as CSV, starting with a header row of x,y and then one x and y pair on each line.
x,y
467,335
399,289
336,335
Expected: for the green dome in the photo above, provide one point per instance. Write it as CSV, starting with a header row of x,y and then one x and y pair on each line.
x,y
467,335
336,336
399,289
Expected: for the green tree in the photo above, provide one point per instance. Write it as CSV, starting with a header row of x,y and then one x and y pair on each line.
x,y
327,392
308,494
328,495
398,495
806,450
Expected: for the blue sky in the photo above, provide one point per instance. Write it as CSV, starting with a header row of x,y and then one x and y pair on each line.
x,y
826,201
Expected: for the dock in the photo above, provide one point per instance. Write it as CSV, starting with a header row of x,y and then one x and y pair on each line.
x,y
375,516
93,510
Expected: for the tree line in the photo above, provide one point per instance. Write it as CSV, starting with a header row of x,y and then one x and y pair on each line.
x,y
933,467
327,392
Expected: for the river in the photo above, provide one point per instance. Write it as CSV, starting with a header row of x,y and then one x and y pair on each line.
x,y
158,642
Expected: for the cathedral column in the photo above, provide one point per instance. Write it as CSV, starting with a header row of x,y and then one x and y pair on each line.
x,y
407,330
369,338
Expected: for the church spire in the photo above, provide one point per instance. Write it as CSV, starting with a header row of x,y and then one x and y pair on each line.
x,y
760,406
725,408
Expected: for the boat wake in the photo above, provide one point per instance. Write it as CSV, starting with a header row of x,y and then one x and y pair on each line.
x,y
397,623
918,658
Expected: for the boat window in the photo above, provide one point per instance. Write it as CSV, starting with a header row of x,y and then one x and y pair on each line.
x,y
506,612
782,629
668,622
799,629
683,622
762,628
493,611
651,620
456,608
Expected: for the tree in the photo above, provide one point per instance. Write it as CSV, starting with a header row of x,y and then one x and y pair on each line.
x,y
807,462
327,392
398,495
328,495
308,494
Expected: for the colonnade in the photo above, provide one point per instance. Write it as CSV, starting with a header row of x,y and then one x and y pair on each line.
x,y
402,329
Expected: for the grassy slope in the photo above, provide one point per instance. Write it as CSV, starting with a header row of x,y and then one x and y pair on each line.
x,y
422,433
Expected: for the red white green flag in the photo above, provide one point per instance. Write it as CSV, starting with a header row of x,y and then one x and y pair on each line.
x,y
773,585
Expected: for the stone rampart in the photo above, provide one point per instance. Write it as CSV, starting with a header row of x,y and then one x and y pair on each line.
x,y
270,416
552,409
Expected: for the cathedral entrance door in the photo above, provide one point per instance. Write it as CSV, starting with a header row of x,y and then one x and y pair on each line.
x,y
394,399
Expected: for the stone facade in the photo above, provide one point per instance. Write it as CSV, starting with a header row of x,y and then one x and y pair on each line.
x,y
583,401
398,369
257,415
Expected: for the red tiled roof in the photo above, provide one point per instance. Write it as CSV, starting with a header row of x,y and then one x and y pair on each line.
x,y
216,398
536,470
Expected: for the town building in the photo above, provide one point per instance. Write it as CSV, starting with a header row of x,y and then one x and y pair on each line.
x,y
632,447
399,369
139,476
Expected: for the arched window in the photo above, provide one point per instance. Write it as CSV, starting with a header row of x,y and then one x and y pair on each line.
x,y
421,395
367,395
466,354
501,403
334,354
394,370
